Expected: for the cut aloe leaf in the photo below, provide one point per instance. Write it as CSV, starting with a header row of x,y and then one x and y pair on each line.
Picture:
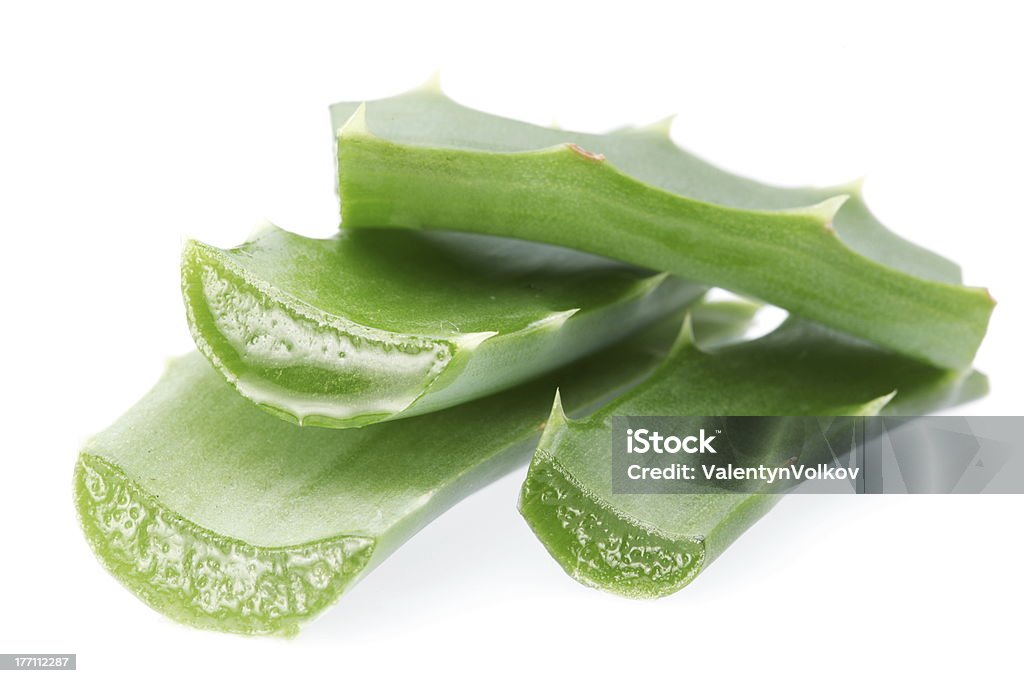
x,y
651,545
224,517
371,326
420,160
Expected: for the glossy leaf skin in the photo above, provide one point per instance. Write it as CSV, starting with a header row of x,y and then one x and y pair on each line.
x,y
421,161
223,517
649,545
371,326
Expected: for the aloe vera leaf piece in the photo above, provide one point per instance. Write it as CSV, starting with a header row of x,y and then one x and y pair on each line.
x,y
375,325
721,323
223,517
651,545
420,160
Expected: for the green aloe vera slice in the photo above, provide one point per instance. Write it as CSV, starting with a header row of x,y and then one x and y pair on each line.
x,y
651,545
224,517
422,161
370,326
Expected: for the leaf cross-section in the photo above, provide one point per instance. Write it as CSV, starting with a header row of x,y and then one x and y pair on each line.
x,y
224,517
646,545
371,326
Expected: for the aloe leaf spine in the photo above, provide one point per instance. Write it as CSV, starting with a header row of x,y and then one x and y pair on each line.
x,y
651,545
223,517
422,161
372,326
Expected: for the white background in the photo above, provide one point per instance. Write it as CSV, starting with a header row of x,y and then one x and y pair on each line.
x,y
124,128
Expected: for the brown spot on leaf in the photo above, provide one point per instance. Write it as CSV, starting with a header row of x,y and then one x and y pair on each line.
x,y
592,156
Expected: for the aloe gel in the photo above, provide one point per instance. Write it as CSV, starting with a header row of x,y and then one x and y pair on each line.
x,y
224,517
651,545
371,326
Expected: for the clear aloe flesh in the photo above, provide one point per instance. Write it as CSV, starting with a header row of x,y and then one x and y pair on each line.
x,y
422,161
224,517
371,326
651,545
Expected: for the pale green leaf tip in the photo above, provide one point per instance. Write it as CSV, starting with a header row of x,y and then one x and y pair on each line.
x,y
470,341
854,188
356,126
875,406
685,339
432,84
554,321
661,127
650,283
557,419
554,428
825,212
